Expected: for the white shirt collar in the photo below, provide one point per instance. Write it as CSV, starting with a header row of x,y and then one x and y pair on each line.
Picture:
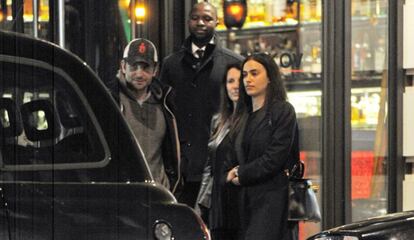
x,y
194,47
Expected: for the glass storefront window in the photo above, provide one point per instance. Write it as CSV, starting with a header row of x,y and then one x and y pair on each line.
x,y
369,108
265,13
124,11
6,17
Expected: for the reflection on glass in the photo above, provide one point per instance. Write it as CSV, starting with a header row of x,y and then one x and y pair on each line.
x,y
369,108
4,118
265,13
39,120
7,22
308,110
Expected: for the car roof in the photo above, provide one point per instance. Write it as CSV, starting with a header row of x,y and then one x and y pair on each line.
x,y
375,224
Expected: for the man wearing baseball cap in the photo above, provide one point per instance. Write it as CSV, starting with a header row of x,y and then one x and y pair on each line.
x,y
146,104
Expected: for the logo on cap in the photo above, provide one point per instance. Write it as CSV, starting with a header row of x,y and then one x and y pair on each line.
x,y
142,48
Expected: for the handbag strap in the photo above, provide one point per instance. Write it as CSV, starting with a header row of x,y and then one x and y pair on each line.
x,y
295,168
298,170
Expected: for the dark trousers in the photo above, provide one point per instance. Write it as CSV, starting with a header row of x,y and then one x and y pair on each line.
x,y
265,217
224,234
188,193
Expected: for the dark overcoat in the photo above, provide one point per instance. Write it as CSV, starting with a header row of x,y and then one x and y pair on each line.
x,y
264,192
197,95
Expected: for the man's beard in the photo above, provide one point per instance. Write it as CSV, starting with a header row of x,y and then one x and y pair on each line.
x,y
201,41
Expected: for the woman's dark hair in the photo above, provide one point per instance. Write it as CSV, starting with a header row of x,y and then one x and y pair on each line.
x,y
226,108
275,90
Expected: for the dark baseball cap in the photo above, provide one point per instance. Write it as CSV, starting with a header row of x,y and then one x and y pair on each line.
x,y
140,50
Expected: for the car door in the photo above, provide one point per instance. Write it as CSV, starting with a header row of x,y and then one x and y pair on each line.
x,y
70,167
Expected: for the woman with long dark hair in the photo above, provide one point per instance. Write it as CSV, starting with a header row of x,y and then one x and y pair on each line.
x,y
266,140
217,197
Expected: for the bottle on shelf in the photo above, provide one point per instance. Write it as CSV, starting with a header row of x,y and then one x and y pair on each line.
x,y
356,60
256,12
291,11
361,8
305,13
316,66
278,11
312,10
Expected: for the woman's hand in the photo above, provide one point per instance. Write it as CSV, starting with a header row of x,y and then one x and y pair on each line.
x,y
232,176
235,181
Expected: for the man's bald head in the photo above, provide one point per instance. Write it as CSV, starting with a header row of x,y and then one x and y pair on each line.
x,y
202,23
204,5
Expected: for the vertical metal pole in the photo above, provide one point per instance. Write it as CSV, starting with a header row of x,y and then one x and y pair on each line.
x,y
35,18
336,89
396,164
133,22
61,24
17,13
167,16
187,8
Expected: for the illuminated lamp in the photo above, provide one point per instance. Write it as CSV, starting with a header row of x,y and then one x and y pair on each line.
x,y
235,12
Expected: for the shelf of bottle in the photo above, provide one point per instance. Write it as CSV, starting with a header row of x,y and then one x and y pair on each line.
x,y
372,19
278,27
302,81
357,21
312,81
367,76
260,30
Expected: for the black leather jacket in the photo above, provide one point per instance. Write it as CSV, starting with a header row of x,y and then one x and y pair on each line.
x,y
219,197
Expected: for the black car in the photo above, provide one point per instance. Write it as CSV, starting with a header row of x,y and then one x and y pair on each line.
x,y
70,167
396,226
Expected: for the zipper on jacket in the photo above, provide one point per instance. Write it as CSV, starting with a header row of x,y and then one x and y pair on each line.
x,y
176,140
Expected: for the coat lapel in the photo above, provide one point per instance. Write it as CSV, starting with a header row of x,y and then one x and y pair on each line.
x,y
261,116
238,144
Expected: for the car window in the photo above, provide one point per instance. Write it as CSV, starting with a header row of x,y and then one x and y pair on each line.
x,y
46,122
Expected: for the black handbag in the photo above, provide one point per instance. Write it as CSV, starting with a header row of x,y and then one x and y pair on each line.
x,y
303,205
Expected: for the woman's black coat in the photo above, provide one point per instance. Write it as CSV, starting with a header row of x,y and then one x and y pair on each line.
x,y
223,210
264,192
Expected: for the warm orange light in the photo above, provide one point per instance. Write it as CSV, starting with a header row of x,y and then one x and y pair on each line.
x,y
140,12
235,10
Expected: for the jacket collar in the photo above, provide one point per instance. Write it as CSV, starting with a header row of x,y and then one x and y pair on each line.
x,y
186,47
211,51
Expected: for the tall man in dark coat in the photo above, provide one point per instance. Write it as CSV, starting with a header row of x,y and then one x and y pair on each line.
x,y
195,72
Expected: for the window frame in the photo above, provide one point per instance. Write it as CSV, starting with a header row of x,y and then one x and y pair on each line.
x,y
99,132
